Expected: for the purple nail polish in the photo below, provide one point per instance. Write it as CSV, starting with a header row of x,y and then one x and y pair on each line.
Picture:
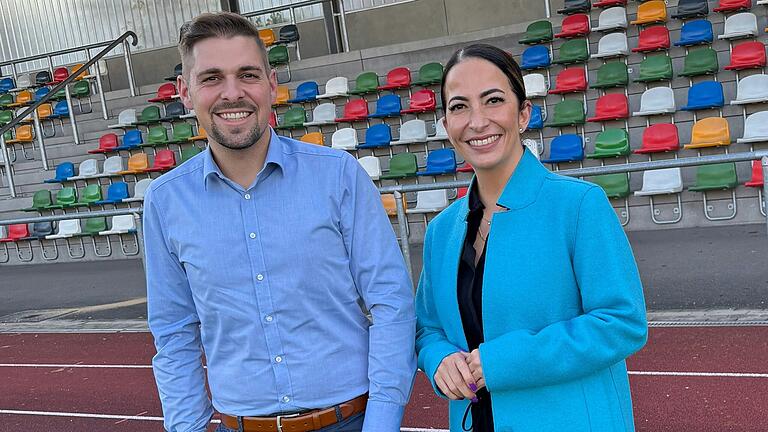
x,y
475,400
473,387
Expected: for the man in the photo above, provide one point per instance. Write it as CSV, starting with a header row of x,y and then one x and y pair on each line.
x,y
258,251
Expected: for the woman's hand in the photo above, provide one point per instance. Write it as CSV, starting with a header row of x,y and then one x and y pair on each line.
x,y
476,367
454,378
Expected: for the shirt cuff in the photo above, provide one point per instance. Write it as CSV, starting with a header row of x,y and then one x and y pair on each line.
x,y
383,416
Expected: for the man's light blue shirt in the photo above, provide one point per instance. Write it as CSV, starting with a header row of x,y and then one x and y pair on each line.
x,y
267,282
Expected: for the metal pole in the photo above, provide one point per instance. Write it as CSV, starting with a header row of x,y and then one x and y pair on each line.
x,y
140,240
548,9
343,22
8,173
293,21
40,141
764,163
402,222
99,88
72,120
129,67
13,72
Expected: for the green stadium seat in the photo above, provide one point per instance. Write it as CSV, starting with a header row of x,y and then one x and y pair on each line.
x,y
41,200
189,153
89,195
611,143
655,68
401,165
182,132
614,185
65,197
612,74
293,118
157,135
149,115
538,32
366,82
93,226
568,113
715,177
278,55
702,61
429,74
573,51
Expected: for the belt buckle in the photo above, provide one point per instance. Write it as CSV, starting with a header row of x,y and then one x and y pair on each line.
x,y
280,420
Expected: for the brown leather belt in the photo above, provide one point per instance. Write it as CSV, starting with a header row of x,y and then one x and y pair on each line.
x,y
305,422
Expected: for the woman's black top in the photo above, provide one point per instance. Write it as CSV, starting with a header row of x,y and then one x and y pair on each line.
x,y
470,296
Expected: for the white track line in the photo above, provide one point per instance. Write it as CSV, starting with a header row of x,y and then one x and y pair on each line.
x,y
143,418
114,366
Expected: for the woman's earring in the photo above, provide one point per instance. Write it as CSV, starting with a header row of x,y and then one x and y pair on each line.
x,y
521,130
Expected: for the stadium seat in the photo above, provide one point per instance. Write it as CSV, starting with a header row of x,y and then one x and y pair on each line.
x,y
660,137
574,26
440,161
366,82
755,128
64,171
157,135
60,110
65,198
691,8
397,78
173,111
177,70
41,200
575,6
164,160
315,138
752,89
267,37
440,133
705,95
537,32
661,181
131,140
149,115
612,74
293,118
537,118
611,19
573,51
387,106
757,175
43,78
655,101
430,201
740,25
715,177
305,92
335,87
88,168
378,135
187,154
323,114
565,148
429,74
116,193
202,135
93,226
84,74
611,143
710,132
702,61
726,6
401,165
570,80
613,106
40,230
651,12
278,55
696,32
282,94
126,118
112,166
7,84
90,194
344,139
420,102
535,57
121,224
614,185
288,33
390,205
568,113
354,110
535,85
6,116
612,45
412,131
67,228
165,93
81,89
372,166
23,98
44,111
609,3
653,38
137,164
41,93
141,186
747,55
655,68
16,232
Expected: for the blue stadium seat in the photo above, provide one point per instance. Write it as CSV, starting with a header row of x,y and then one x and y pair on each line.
x,y
60,110
695,33
565,148
64,171
536,57
537,118
6,84
705,95
440,161
305,92
387,106
378,135
131,140
41,93
116,193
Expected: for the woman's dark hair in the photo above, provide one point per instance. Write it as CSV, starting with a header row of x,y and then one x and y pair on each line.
x,y
500,58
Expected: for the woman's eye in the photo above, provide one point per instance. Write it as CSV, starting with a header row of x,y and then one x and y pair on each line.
x,y
495,100
455,107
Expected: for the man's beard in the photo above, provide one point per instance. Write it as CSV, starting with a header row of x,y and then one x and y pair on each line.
x,y
232,143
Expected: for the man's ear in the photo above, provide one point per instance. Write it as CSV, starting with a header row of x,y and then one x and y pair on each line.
x,y
183,86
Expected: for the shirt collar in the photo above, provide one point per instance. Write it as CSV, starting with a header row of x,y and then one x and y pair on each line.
x,y
275,157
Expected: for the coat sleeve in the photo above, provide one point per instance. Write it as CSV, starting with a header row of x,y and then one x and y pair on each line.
x,y
432,345
612,325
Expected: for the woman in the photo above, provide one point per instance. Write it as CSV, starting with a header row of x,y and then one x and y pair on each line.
x,y
529,300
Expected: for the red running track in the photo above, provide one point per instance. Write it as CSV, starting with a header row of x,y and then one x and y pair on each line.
x,y
662,402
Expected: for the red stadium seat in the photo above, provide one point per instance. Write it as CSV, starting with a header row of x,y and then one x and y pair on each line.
x,y
653,39
421,101
59,75
397,78
747,55
465,168
613,106
575,26
273,119
107,143
16,232
609,3
354,110
165,93
733,5
660,137
570,80
757,175
164,160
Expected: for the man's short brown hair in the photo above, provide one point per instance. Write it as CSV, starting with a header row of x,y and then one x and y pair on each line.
x,y
224,25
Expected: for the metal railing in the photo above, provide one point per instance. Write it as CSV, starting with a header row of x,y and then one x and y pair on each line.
x,y
32,109
398,190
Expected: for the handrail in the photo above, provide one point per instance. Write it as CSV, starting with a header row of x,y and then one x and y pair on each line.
x,y
284,7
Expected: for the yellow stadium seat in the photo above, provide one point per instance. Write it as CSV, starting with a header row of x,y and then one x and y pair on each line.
x,y
23,135
651,12
137,164
314,138
710,132
44,111
388,200
267,36
202,135
83,74
25,97
283,94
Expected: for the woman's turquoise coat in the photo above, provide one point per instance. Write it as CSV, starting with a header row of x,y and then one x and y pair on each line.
x,y
562,306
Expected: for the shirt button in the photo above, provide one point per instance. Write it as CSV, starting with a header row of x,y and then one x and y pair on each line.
x,y
252,235
268,318
247,196
278,359
286,399
259,277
